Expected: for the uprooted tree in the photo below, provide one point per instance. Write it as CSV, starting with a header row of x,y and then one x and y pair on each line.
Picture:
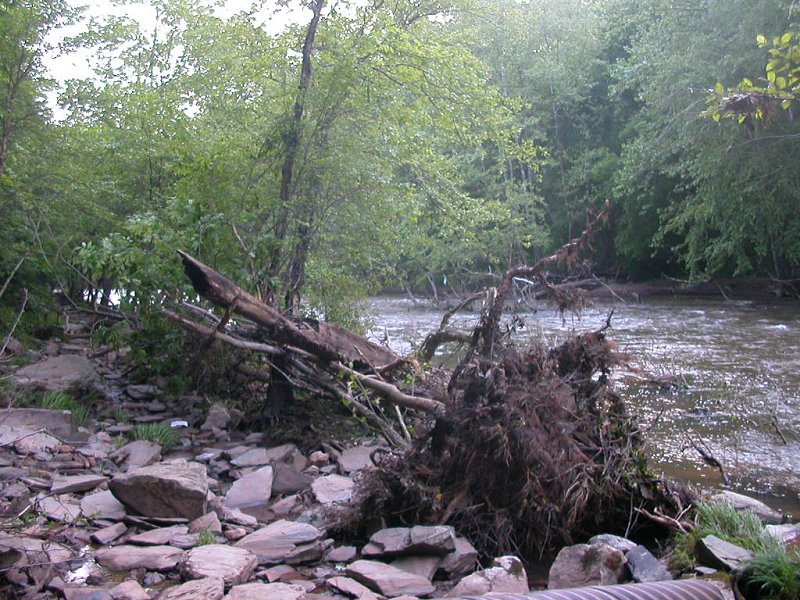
x,y
523,450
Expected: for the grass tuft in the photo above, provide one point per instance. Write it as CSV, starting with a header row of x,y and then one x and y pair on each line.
x,y
159,433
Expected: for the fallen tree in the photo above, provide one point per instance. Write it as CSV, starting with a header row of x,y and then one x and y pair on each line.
x,y
524,450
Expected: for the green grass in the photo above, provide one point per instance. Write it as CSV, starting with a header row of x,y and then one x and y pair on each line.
x,y
775,572
159,433
64,401
206,537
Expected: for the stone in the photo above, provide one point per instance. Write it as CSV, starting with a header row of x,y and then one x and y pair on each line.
x,y
23,550
460,561
256,457
355,459
57,422
64,509
129,590
100,446
142,391
424,566
233,565
586,564
254,489
282,573
102,505
332,489
139,453
236,517
282,453
11,473
388,580
644,567
718,553
287,506
351,587
284,541
741,502
341,554
85,593
109,534
208,522
58,373
506,575
266,591
63,484
218,417
185,540
319,458
787,534
287,480
211,588
235,534
164,490
27,442
126,557
158,537
615,541
420,539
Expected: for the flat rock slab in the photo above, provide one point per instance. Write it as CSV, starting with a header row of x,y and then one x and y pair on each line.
x,y
57,422
158,537
333,489
34,550
460,561
351,587
139,453
586,564
208,522
164,490
388,580
355,459
421,539
254,489
63,484
102,505
211,588
741,502
288,480
267,591
58,373
233,565
718,553
64,509
644,567
129,590
125,558
29,442
109,534
284,541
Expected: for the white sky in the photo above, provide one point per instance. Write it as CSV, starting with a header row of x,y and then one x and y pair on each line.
x,y
77,65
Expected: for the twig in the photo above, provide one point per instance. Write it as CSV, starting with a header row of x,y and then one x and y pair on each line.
x,y
610,289
11,276
16,322
778,429
708,458
670,522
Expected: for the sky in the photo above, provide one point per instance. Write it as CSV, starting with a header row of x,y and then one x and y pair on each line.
x,y
77,65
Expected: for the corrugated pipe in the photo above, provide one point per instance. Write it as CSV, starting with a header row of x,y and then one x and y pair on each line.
x,y
685,589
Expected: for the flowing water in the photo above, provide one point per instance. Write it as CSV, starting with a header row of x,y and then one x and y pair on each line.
x,y
737,365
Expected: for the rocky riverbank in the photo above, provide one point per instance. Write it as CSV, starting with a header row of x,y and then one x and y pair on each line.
x,y
89,512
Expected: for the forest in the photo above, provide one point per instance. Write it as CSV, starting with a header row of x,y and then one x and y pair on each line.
x,y
393,144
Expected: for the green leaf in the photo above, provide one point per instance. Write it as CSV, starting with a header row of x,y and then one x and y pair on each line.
x,y
719,89
762,40
780,83
786,38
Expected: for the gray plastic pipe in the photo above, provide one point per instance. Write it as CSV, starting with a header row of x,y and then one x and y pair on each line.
x,y
685,589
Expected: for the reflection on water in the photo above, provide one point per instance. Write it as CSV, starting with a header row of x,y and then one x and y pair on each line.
x,y
740,363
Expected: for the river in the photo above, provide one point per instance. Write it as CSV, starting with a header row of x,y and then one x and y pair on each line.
x,y
739,361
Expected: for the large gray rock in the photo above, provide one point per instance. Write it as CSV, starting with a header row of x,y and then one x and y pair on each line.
x,y
284,541
333,489
125,558
741,502
106,535
420,539
718,553
208,522
288,480
351,587
164,490
615,541
254,489
267,591
232,565
424,566
58,373
644,567
586,564
218,418
506,575
128,590
211,588
388,580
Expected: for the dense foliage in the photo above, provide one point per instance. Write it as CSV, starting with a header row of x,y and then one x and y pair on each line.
x,y
415,143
